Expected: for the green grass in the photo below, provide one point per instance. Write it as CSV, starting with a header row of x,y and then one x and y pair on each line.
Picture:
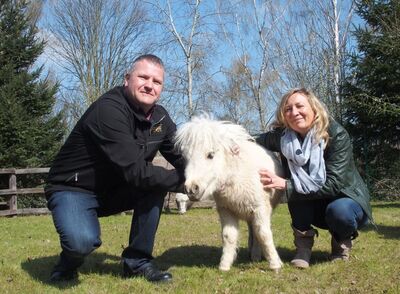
x,y
189,247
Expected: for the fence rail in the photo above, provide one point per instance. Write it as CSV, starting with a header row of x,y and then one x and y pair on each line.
x,y
13,191
10,207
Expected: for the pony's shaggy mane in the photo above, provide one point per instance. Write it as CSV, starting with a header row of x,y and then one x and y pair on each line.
x,y
210,133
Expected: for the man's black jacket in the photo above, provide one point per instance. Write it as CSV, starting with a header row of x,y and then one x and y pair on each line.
x,y
113,144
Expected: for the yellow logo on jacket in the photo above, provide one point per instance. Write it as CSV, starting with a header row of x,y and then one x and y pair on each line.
x,y
156,129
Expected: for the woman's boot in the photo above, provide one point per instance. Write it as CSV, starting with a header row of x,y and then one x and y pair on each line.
x,y
340,250
304,241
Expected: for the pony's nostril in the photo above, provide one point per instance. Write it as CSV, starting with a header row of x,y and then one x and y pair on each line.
x,y
192,189
188,190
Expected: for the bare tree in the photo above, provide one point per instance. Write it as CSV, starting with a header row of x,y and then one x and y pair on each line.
x,y
250,28
315,50
285,44
234,101
34,11
94,42
187,42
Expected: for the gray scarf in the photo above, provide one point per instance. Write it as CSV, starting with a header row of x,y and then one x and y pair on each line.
x,y
306,179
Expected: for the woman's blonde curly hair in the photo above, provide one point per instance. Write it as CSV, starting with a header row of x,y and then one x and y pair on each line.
x,y
321,120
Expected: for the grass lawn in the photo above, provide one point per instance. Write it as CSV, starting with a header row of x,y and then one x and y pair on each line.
x,y
189,246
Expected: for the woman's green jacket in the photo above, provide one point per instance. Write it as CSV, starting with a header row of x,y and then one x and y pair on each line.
x,y
342,176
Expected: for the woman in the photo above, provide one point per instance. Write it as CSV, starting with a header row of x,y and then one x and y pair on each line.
x,y
322,184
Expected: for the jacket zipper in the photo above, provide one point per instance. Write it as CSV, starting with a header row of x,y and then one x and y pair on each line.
x,y
74,176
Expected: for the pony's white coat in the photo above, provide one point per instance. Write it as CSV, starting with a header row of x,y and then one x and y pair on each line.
x,y
223,163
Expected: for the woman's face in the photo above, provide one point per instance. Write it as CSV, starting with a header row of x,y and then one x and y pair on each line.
x,y
298,113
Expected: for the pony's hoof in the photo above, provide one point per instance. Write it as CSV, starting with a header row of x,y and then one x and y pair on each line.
x,y
276,267
224,268
276,270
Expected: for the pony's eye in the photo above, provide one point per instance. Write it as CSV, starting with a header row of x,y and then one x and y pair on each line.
x,y
210,155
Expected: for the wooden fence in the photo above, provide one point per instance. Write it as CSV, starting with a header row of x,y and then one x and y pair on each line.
x,y
10,206
11,194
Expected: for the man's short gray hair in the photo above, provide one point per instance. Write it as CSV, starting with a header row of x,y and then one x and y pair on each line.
x,y
149,57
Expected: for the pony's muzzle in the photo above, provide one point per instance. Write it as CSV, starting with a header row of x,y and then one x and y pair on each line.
x,y
192,191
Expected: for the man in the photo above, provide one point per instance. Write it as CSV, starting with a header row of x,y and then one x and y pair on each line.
x,y
105,168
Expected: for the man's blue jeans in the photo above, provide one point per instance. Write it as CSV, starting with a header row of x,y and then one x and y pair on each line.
x,y
75,217
342,217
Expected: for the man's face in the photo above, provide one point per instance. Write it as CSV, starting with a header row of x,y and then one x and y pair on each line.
x,y
144,84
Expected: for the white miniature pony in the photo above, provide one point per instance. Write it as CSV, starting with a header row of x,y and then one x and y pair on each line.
x,y
182,202
223,163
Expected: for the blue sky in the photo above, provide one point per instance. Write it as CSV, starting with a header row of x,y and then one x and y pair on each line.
x,y
223,55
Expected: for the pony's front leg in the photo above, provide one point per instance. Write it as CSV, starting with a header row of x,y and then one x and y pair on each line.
x,y
230,236
262,229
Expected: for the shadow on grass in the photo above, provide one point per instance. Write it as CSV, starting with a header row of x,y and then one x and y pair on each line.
x,y
386,205
185,256
318,256
189,256
387,232
101,263
208,256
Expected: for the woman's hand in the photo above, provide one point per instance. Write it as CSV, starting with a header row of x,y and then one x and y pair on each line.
x,y
269,180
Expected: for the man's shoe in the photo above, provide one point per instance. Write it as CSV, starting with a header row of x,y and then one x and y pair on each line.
x,y
149,272
60,276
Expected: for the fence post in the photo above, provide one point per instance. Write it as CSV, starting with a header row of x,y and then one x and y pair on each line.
x,y
12,203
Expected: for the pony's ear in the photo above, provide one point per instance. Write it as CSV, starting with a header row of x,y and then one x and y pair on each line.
x,y
235,149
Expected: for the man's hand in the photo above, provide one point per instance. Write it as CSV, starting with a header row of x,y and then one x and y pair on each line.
x,y
269,180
